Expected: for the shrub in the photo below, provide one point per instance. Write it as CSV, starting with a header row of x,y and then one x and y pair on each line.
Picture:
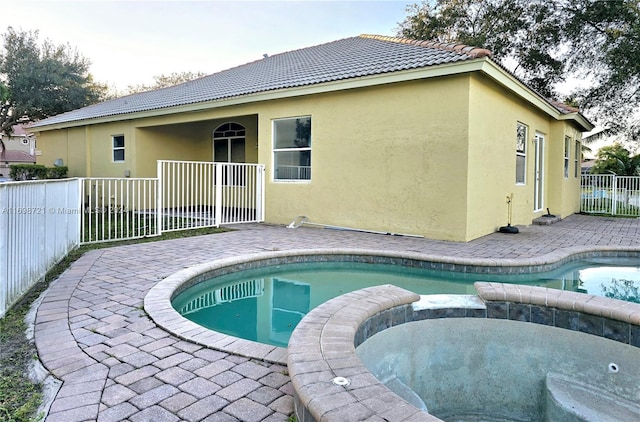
x,y
57,172
37,171
27,171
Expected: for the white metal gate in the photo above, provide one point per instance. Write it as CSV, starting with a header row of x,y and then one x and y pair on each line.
x,y
610,194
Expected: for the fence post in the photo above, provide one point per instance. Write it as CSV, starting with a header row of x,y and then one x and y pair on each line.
x,y
81,208
218,193
260,185
4,267
159,197
614,195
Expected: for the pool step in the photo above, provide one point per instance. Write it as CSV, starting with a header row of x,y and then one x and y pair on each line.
x,y
569,400
404,391
546,220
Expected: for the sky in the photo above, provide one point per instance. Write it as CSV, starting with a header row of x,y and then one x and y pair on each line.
x,y
130,42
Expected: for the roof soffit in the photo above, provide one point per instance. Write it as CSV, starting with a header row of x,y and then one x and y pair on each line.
x,y
506,79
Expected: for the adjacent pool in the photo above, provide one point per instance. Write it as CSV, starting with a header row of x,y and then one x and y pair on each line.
x,y
265,304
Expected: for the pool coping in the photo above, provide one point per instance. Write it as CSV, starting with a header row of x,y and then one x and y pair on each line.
x,y
323,345
157,302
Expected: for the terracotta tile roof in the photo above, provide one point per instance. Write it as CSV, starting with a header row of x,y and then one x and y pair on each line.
x,y
563,108
16,157
354,57
473,52
19,130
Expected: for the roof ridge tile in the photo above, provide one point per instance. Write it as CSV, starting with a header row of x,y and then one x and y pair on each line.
x,y
474,52
564,108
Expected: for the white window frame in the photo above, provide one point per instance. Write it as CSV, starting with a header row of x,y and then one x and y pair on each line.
x,y
538,172
522,153
275,151
239,134
115,148
567,149
576,160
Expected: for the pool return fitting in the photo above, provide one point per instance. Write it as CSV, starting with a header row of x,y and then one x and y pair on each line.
x,y
301,219
341,381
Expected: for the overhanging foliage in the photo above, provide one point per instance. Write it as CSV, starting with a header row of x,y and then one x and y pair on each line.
x,y
548,42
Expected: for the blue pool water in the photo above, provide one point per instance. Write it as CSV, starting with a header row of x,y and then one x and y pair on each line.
x,y
265,304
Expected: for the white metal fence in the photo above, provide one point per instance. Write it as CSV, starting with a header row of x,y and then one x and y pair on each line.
x,y
185,195
39,225
41,221
610,194
118,209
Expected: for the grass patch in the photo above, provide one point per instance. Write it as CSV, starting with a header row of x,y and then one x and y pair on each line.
x,y
19,396
126,225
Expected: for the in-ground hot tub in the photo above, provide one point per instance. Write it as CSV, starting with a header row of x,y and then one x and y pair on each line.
x,y
476,369
512,353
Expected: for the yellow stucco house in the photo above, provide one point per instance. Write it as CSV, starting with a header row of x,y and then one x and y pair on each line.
x,y
369,132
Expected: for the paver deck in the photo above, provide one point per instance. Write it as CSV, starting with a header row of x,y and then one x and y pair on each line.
x,y
92,333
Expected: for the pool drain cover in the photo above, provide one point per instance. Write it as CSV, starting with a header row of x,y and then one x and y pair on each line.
x,y
341,381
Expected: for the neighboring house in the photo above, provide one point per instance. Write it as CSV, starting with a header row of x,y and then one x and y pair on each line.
x,y
587,164
370,132
20,149
9,157
594,142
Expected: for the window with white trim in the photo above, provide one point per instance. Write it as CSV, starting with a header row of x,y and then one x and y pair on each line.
x,y
292,149
576,159
228,143
521,153
567,148
229,147
118,148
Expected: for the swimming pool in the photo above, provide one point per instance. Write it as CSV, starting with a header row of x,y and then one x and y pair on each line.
x,y
264,304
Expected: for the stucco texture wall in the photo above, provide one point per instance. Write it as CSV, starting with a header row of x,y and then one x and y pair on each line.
x,y
66,144
388,158
494,114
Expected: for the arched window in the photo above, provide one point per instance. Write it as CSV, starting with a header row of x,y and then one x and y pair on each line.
x,y
228,143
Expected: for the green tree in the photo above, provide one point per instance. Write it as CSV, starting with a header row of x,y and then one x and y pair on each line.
x,y
604,47
519,33
546,42
617,160
39,81
164,81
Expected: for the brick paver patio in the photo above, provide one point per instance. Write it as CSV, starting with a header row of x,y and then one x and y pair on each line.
x,y
115,364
